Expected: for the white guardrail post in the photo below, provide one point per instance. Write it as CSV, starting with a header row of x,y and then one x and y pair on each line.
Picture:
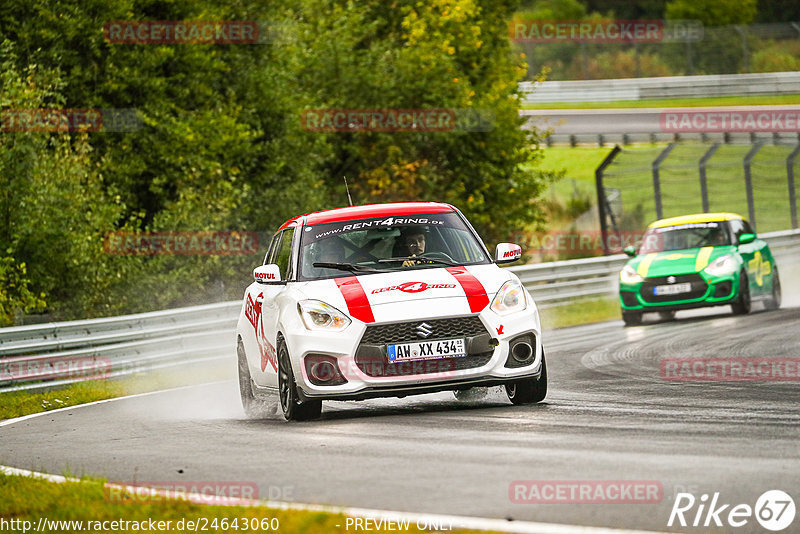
x,y
54,354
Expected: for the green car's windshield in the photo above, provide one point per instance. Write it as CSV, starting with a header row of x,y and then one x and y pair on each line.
x,y
683,236
387,244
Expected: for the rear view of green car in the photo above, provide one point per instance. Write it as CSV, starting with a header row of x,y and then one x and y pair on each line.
x,y
693,261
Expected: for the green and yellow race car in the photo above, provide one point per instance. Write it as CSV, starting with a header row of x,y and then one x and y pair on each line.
x,y
708,259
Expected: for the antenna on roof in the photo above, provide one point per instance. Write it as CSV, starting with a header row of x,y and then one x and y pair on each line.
x,y
348,190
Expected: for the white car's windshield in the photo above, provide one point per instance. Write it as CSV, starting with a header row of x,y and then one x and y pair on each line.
x,y
694,235
386,244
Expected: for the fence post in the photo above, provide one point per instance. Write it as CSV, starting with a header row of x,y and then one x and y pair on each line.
x,y
602,203
657,181
790,180
748,183
703,184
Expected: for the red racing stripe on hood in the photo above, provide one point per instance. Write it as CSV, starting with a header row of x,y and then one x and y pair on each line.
x,y
476,294
356,299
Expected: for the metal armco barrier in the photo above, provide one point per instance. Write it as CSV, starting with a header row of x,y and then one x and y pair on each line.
x,y
48,355
39,356
768,83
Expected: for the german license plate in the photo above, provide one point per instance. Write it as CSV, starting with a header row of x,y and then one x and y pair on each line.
x,y
672,289
426,350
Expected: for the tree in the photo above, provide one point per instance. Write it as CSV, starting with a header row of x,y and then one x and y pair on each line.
x,y
451,54
713,12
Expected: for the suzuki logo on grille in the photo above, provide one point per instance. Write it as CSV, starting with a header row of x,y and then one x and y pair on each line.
x,y
424,330
671,279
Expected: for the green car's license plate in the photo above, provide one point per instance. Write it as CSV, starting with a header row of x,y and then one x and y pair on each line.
x,y
673,289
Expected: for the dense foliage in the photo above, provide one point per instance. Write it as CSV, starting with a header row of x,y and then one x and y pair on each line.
x,y
221,145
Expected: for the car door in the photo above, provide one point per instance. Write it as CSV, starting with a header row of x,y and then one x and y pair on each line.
x,y
264,300
751,254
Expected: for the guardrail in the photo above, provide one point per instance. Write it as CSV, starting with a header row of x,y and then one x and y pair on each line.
x,y
50,355
53,354
768,83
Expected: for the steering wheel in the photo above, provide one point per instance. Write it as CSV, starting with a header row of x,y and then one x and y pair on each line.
x,y
436,254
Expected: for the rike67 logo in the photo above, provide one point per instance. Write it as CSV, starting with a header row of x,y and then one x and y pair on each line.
x,y
774,510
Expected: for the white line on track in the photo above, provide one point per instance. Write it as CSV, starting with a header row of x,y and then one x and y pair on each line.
x,y
453,521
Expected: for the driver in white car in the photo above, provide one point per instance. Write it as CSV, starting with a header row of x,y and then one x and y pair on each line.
x,y
414,241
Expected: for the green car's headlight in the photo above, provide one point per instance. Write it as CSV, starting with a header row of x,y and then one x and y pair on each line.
x,y
723,265
628,275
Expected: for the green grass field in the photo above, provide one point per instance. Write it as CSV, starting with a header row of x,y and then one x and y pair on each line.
x,y
631,174
674,102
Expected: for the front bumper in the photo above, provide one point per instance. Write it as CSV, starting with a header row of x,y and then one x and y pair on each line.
x,y
706,290
487,360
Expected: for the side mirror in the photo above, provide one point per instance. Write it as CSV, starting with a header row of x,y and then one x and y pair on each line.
x,y
264,274
746,238
630,251
507,253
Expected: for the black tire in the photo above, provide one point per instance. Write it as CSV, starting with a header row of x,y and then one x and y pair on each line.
x,y
667,315
774,301
252,406
293,408
632,318
529,390
743,302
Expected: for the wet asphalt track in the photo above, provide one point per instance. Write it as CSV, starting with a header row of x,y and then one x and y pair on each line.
x,y
608,416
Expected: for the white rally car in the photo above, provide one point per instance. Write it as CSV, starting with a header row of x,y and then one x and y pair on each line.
x,y
385,300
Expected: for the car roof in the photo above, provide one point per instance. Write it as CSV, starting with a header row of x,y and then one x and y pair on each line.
x,y
368,211
696,218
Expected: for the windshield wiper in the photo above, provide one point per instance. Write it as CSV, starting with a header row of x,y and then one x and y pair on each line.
x,y
419,259
347,267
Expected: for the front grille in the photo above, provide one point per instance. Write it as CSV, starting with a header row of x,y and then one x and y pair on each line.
x,y
699,288
442,329
378,366
371,355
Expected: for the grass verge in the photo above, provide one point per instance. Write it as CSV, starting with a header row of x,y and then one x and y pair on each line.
x,y
31,499
19,403
673,102
580,311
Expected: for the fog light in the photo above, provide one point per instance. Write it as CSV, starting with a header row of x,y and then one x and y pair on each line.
x,y
322,370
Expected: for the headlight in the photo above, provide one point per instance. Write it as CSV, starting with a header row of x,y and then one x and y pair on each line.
x,y
510,298
723,265
628,275
317,315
